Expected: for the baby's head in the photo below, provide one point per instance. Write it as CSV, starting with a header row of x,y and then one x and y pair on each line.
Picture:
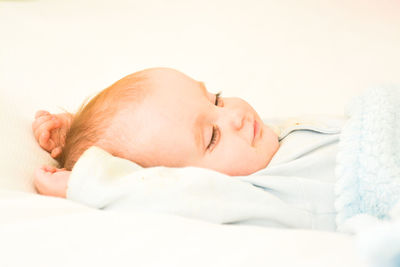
x,y
161,117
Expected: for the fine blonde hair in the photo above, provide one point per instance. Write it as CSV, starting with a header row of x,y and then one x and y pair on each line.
x,y
94,117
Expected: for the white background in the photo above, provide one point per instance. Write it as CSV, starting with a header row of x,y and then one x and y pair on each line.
x,y
285,57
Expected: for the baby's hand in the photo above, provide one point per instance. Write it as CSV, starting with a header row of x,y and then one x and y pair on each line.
x,y
50,131
50,181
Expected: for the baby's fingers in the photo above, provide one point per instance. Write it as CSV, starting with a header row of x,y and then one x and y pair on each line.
x,y
47,168
42,181
46,142
46,126
41,175
51,169
51,181
39,121
56,152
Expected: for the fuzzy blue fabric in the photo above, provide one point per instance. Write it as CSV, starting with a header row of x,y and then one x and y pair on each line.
x,y
368,171
368,161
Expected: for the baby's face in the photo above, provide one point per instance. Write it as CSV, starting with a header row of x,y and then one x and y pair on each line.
x,y
179,123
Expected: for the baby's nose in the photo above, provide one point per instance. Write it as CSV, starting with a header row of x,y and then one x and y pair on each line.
x,y
237,118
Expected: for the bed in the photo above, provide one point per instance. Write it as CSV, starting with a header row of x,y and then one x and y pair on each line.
x,y
285,58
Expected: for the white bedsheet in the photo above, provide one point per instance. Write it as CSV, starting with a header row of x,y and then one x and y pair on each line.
x,y
43,231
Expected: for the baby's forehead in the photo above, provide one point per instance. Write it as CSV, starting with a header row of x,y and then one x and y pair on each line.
x,y
163,89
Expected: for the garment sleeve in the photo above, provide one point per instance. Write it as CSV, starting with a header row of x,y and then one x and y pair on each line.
x,y
102,181
97,178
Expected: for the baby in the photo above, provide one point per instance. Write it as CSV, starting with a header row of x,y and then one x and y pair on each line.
x,y
157,117
284,171
161,117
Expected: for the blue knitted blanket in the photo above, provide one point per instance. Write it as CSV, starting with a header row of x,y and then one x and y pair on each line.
x,y
368,171
368,162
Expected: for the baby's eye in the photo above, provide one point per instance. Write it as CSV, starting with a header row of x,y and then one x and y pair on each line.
x,y
218,100
215,132
214,137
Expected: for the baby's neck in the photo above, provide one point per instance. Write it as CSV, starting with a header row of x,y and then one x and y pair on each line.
x,y
275,129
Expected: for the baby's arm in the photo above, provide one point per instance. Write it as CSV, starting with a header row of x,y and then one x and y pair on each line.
x,y
102,181
50,130
96,177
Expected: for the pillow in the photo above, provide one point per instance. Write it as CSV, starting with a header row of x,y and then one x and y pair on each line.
x,y
20,154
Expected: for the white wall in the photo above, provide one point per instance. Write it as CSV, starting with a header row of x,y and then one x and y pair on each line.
x,y
285,57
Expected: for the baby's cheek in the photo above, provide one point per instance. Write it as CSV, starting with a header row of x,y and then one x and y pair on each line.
x,y
240,164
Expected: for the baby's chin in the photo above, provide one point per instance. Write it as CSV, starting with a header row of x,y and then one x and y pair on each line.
x,y
270,142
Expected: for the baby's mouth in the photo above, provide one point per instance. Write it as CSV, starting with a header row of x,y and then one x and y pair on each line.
x,y
256,130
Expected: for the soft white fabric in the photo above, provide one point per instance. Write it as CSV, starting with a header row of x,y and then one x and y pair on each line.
x,y
379,244
103,181
46,232
20,154
16,207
